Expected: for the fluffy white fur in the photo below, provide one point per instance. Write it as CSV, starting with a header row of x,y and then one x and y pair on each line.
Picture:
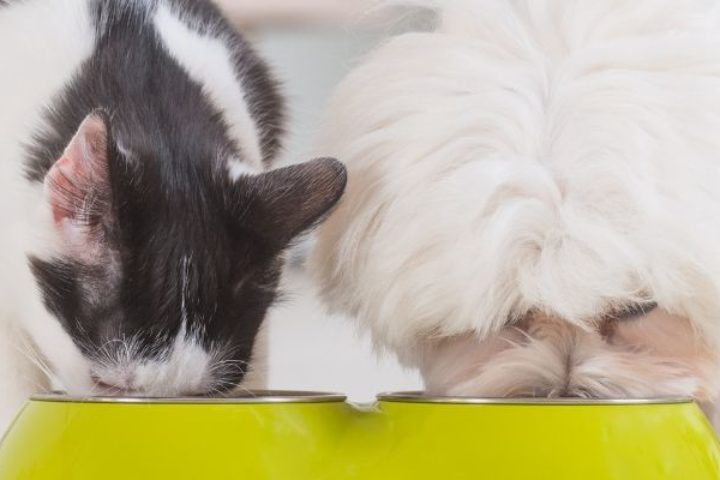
x,y
533,157
42,44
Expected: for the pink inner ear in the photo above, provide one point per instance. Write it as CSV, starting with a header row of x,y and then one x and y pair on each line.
x,y
76,182
60,188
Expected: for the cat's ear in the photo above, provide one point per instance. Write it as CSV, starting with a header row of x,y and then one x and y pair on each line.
x,y
282,203
77,186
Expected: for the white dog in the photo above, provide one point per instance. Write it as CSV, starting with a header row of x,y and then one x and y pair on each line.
x,y
534,198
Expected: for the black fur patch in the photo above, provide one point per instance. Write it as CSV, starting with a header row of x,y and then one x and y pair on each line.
x,y
181,244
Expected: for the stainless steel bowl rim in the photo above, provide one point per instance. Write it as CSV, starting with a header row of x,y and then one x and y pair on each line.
x,y
419,397
293,396
251,397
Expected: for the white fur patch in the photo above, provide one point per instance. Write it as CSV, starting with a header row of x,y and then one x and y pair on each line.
x,y
237,169
207,60
185,371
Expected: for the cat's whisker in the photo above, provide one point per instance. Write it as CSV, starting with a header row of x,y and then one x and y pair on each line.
x,y
27,350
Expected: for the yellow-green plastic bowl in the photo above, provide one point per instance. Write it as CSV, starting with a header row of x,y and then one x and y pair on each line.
x,y
295,435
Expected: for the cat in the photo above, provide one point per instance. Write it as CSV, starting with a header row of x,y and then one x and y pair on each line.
x,y
533,206
143,225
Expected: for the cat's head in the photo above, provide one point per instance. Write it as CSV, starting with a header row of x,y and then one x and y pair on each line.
x,y
164,270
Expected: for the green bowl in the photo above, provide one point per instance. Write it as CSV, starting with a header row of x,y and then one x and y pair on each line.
x,y
296,435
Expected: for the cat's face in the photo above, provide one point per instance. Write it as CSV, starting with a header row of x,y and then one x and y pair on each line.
x,y
165,272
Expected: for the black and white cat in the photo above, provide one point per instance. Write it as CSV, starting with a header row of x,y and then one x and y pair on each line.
x,y
142,234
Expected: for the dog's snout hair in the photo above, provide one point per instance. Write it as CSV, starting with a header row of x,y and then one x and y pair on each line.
x,y
655,355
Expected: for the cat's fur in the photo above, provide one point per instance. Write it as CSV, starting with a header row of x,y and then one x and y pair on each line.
x,y
142,229
534,205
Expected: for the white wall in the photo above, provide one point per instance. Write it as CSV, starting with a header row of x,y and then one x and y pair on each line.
x,y
309,349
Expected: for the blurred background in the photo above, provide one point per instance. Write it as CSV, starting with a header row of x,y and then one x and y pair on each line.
x,y
311,45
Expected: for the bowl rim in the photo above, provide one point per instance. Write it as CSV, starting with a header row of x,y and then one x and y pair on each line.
x,y
249,397
419,397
